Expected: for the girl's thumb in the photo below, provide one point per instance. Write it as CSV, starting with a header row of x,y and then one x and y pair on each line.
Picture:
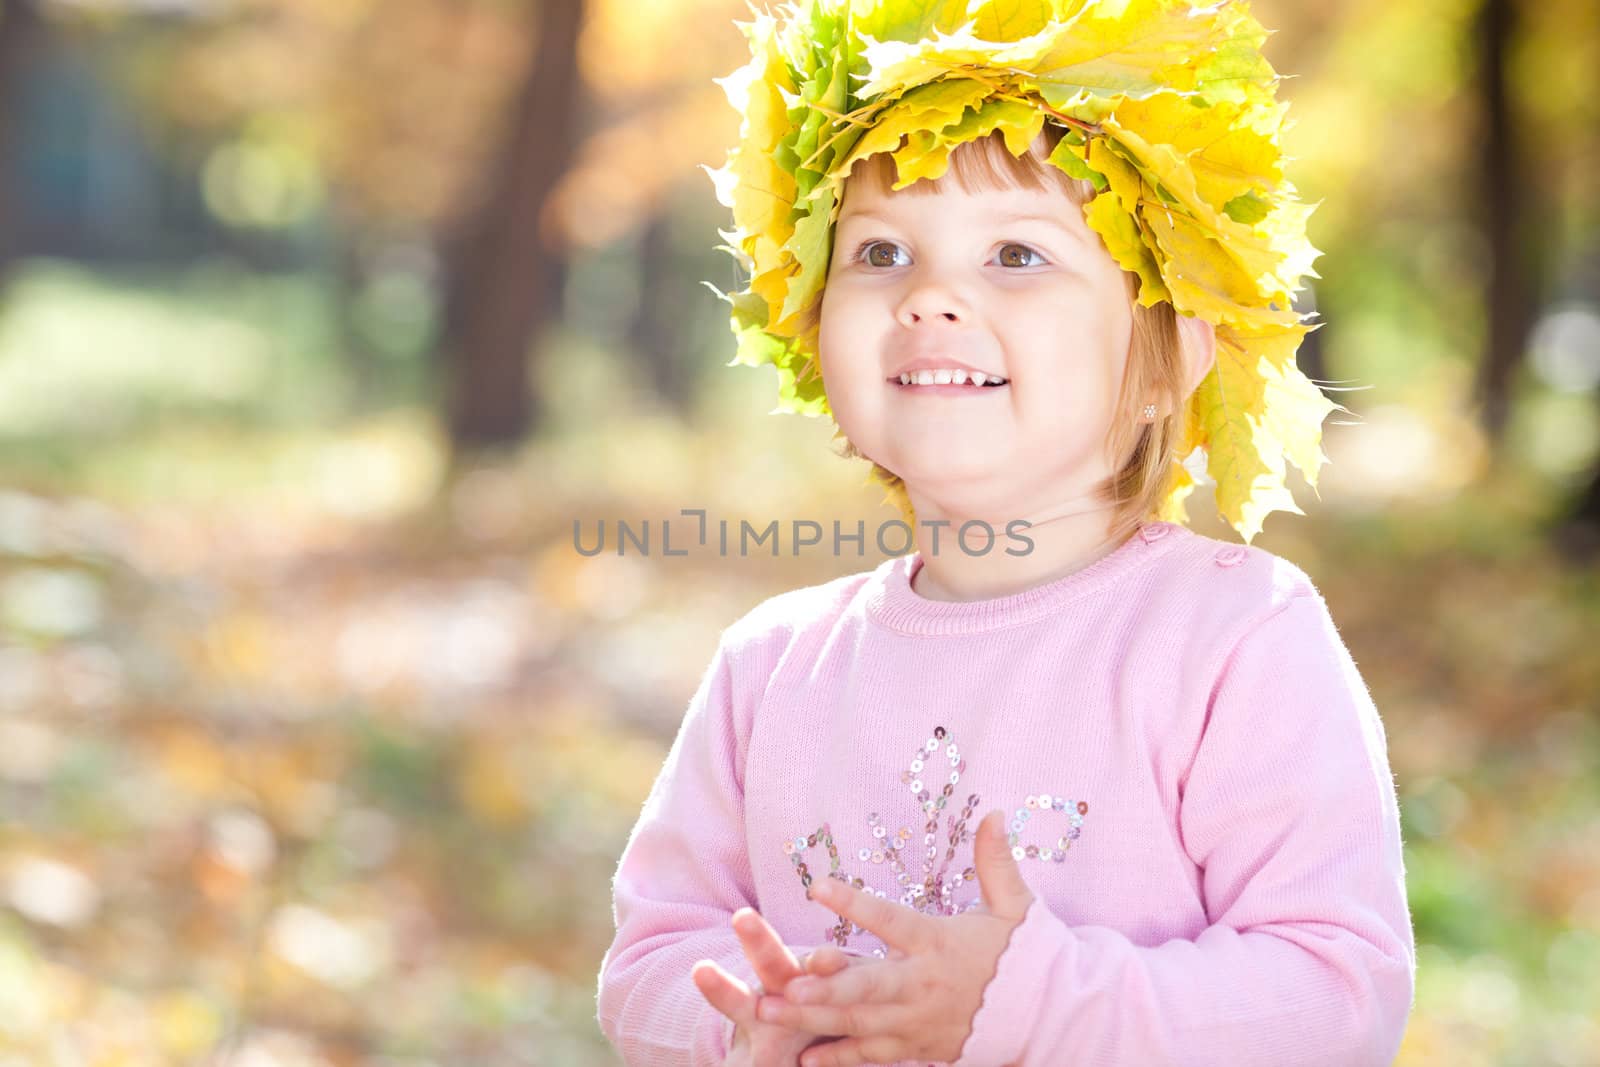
x,y
1005,893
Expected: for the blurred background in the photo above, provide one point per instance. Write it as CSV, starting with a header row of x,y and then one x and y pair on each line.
x,y
322,322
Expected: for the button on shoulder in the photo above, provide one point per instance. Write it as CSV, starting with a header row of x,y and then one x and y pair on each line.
x,y
1229,555
1154,531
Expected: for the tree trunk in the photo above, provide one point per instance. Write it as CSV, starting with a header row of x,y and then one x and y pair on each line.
x,y
501,269
1577,535
21,33
1502,193
1577,532
653,336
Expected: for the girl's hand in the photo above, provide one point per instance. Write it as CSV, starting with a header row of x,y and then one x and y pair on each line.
x,y
757,1043
918,1004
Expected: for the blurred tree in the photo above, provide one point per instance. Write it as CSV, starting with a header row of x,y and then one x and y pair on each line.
x,y
1577,532
21,32
654,335
1502,212
1560,72
498,275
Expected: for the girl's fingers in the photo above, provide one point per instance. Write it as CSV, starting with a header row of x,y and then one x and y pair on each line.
x,y
726,992
773,962
897,925
842,1018
826,960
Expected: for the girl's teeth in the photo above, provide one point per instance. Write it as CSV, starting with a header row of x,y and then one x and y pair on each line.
x,y
948,377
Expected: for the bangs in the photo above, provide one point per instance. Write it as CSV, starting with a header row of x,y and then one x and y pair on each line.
x,y
985,164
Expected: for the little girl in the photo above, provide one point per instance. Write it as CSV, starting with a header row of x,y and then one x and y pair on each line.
x,y
1070,784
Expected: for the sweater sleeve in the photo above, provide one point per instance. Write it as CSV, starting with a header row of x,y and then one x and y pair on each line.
x,y
682,875
1289,809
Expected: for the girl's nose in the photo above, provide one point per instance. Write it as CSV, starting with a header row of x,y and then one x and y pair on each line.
x,y
930,302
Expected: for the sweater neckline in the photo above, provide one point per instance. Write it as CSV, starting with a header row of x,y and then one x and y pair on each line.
x,y
893,603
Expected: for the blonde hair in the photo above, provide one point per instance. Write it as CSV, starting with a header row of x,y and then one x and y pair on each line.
x,y
1155,369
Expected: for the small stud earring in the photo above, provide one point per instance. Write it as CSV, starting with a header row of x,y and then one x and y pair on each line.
x,y
1149,411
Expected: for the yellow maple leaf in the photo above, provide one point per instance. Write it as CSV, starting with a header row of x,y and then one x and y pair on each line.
x,y
1010,20
1227,159
1206,281
1128,47
1248,471
1122,239
931,107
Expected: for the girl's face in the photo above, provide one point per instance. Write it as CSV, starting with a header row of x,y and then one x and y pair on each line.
x,y
1010,283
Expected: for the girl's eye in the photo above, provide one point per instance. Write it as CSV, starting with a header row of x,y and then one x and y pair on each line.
x,y
1026,252
864,254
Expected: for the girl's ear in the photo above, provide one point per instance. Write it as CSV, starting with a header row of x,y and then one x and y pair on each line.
x,y
1199,349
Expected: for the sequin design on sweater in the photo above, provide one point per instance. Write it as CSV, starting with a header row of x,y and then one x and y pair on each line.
x,y
939,757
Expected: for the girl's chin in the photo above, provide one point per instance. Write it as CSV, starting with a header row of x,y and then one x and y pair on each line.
x,y
958,472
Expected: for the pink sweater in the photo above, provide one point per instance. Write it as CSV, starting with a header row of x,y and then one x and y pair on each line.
x,y
1193,767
